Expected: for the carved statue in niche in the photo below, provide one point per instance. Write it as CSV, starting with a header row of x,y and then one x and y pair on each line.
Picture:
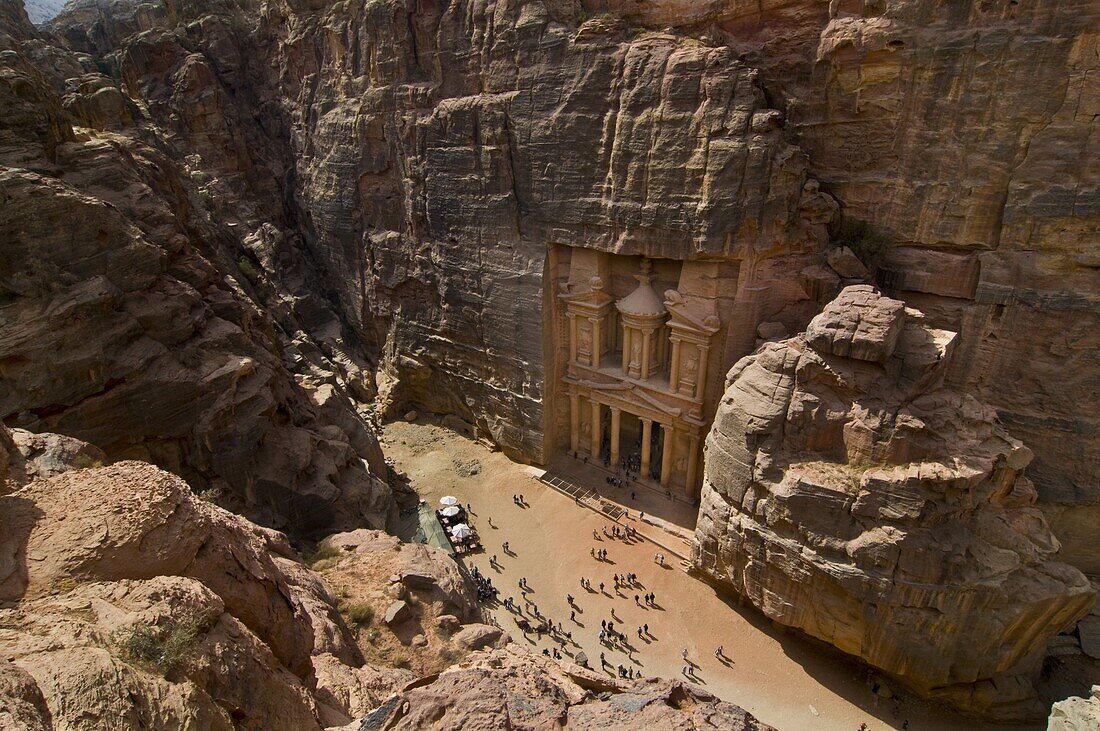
x,y
584,340
635,353
691,368
586,429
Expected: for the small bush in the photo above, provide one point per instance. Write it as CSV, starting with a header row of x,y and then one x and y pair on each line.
x,y
209,495
360,614
164,648
65,584
451,654
247,267
84,461
323,557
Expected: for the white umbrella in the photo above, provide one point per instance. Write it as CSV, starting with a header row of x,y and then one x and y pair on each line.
x,y
461,531
451,511
448,500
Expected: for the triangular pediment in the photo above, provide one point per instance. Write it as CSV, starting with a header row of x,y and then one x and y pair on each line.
x,y
700,316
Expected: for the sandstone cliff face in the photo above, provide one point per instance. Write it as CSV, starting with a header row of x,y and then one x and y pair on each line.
x,y
419,160
128,317
963,132
850,494
433,154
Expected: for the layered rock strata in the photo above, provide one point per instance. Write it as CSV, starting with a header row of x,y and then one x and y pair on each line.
x,y
420,159
130,317
433,154
850,494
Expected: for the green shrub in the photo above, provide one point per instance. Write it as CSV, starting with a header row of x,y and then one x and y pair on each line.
x,y
360,614
323,557
84,461
247,267
164,648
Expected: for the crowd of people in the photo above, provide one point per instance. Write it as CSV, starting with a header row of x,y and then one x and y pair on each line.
x,y
485,589
613,634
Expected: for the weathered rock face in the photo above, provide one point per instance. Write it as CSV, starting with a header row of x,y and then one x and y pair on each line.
x,y
962,132
432,155
850,494
129,601
129,319
511,688
1076,714
414,163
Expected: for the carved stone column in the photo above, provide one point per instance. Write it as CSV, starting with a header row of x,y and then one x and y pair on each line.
x,y
701,378
693,466
666,454
594,446
597,342
674,367
627,338
646,340
572,338
647,435
574,422
615,420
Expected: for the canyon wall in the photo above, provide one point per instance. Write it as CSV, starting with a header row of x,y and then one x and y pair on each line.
x,y
421,158
131,318
433,154
849,493
965,134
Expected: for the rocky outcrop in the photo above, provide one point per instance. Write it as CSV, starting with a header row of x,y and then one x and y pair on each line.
x,y
129,602
446,148
414,163
134,321
512,688
850,494
1076,714
25,456
415,599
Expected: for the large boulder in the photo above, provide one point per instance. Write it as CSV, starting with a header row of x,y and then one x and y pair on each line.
x,y
1076,714
512,688
132,520
847,493
130,602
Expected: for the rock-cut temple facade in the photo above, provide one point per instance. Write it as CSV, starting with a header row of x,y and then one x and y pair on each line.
x,y
640,354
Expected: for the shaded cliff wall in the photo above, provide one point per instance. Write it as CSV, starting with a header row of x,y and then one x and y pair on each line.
x,y
131,316
430,152
965,133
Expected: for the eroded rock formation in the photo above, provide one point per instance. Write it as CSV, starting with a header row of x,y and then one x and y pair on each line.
x,y
511,688
415,162
129,320
850,494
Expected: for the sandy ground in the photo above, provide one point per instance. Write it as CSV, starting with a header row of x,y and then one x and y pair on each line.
x,y
783,679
